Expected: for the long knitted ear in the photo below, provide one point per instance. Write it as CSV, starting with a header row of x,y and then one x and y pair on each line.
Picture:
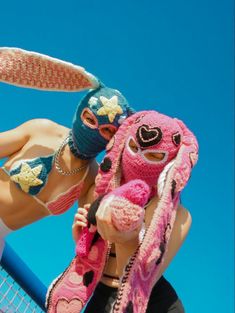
x,y
109,175
181,166
38,71
185,160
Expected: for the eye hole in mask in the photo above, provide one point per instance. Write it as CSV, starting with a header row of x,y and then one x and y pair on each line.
x,y
133,146
153,156
89,119
107,131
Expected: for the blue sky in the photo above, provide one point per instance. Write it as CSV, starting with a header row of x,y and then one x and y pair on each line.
x,y
172,56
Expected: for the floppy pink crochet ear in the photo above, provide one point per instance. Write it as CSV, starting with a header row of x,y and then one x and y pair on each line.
x,y
34,70
180,168
186,158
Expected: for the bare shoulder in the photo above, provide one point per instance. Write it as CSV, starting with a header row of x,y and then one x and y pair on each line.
x,y
41,123
184,215
93,170
44,125
183,220
87,195
94,167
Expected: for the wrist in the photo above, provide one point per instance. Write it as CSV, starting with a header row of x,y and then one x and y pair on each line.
x,y
133,242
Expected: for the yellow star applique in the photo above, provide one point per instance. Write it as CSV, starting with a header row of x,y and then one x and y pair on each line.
x,y
110,107
28,177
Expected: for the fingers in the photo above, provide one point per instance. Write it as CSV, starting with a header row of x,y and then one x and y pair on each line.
x,y
87,206
80,221
106,228
108,231
81,215
76,230
103,219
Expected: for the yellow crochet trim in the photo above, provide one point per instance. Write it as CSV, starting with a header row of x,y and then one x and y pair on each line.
x,y
28,177
110,107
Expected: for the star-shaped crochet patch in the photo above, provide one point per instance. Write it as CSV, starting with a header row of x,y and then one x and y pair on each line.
x,y
110,107
28,177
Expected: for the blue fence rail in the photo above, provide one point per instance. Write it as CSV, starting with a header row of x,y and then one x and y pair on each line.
x,y
25,278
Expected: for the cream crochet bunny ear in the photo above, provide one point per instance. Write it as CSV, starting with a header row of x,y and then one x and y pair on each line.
x,y
38,71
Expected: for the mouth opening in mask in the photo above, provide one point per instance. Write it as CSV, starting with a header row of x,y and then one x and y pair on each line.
x,y
107,131
151,156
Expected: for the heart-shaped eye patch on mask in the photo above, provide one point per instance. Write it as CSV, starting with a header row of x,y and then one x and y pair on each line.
x,y
148,136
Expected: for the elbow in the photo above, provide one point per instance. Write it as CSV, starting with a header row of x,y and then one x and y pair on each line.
x,y
189,219
185,220
187,224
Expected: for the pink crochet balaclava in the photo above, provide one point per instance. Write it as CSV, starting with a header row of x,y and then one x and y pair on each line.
x,y
152,134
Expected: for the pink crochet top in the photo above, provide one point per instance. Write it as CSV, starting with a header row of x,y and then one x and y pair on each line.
x,y
64,200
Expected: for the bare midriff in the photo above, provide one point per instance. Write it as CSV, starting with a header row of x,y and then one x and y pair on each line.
x,y
17,209
110,275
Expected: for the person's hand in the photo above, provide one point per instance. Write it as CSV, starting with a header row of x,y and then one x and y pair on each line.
x,y
105,226
80,221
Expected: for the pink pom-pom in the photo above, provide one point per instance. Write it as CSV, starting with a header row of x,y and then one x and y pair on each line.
x,y
136,191
127,205
125,215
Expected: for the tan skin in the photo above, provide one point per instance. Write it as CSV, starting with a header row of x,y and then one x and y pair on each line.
x,y
32,139
125,244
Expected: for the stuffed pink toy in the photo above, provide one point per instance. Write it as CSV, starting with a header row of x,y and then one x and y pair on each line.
x,y
131,156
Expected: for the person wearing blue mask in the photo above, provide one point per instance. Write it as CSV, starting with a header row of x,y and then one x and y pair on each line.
x,y
48,166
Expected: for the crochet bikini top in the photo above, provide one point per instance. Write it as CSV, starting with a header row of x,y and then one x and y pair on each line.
x,y
31,175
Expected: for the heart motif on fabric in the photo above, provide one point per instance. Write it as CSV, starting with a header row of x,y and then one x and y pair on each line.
x,y
148,136
72,306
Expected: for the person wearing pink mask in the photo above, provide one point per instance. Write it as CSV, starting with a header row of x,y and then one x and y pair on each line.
x,y
136,225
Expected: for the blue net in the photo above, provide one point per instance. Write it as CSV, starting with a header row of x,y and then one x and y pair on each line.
x,y
13,298
20,289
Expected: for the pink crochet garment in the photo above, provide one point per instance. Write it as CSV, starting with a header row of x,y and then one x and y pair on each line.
x,y
177,150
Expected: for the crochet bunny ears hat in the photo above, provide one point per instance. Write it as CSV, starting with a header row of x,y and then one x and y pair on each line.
x,y
130,156
151,133
98,114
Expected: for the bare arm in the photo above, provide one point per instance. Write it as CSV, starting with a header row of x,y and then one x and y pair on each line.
x,y
80,218
13,140
179,232
88,198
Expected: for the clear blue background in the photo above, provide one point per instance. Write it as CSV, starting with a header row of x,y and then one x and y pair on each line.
x,y
172,56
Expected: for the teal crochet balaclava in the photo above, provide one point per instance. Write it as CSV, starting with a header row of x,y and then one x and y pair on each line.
x,y
97,118
99,113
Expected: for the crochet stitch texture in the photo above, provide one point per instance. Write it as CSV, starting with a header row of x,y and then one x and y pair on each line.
x,y
140,274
